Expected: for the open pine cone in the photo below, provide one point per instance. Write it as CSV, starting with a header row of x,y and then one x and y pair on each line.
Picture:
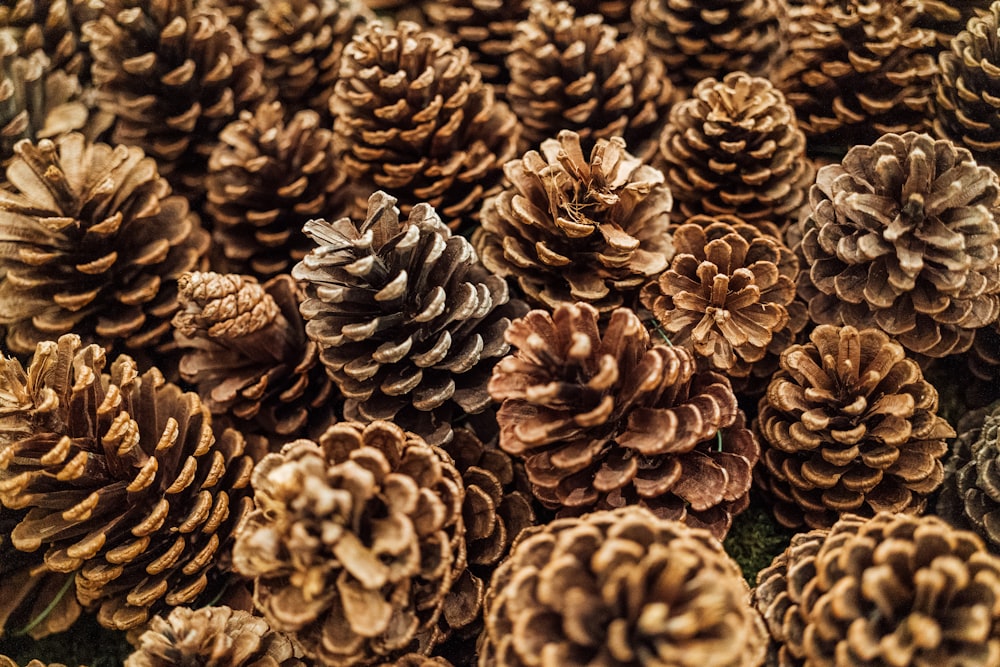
x,y
891,590
620,588
53,26
947,18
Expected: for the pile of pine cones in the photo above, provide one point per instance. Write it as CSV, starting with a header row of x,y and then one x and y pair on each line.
x,y
457,332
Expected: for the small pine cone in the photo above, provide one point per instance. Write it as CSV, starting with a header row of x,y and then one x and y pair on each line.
x,y
620,588
355,542
212,637
266,177
93,242
604,419
123,481
570,229
246,351
701,40
572,72
891,590
52,26
902,236
734,148
408,322
849,425
412,116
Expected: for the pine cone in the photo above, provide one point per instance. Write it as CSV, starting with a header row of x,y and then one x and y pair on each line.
x,y
621,588
407,320
212,637
947,18
93,241
902,236
266,178
572,72
616,13
603,418
849,425
412,116
52,26
892,590
734,148
355,542
122,479
569,229
10,662
247,353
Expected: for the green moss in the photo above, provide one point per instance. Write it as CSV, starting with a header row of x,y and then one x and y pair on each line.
x,y
86,643
756,538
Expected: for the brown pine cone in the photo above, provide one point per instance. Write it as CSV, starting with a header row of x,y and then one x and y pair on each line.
x,y
849,425
212,637
947,18
572,72
408,322
891,590
734,148
93,242
52,26
902,236
412,116
603,418
246,351
355,542
123,481
570,229
620,588
6,661
267,176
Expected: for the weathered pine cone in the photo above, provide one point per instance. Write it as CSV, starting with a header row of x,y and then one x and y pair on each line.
x,y
620,588
53,26
903,236
849,425
123,481
891,590
92,244
570,229
408,322
355,542
603,418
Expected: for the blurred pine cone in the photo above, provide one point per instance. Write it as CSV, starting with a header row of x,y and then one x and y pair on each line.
x,y
412,116
92,244
621,588
571,229
408,322
246,351
603,418
51,26
892,590
267,176
355,542
902,236
734,148
849,425
123,481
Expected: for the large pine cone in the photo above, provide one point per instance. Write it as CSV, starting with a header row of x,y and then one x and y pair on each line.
x,y
620,588
903,236
412,116
849,425
571,229
92,244
408,322
123,481
892,590
355,543
604,419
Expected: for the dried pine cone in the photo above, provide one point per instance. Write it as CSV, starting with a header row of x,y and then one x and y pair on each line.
x,y
621,588
92,244
246,351
52,26
408,322
902,236
412,116
849,425
603,418
571,229
355,542
947,18
892,590
123,481
734,148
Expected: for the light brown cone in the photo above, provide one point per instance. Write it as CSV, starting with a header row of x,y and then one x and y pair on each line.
x,y
53,26
947,18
